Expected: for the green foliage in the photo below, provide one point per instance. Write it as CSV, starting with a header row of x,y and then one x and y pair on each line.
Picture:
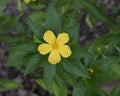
x,y
77,68
6,84
55,89
51,69
53,20
85,69
115,91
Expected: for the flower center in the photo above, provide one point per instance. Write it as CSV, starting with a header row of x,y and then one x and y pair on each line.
x,y
55,46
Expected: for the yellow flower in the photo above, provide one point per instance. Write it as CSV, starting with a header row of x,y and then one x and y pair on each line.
x,y
27,1
90,70
55,46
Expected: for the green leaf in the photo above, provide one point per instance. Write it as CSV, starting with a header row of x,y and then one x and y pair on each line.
x,y
105,63
2,4
54,88
94,87
66,76
79,90
58,91
49,73
9,39
6,84
115,91
75,67
95,11
19,5
20,54
33,63
11,23
73,30
60,82
112,74
42,83
35,28
38,17
52,20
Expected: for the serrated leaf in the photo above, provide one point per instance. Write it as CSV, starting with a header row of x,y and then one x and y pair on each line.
x,y
20,54
74,66
33,63
53,20
35,28
66,76
79,90
49,73
73,31
6,84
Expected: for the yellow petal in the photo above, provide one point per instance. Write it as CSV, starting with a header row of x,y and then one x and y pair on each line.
x,y
65,51
62,38
54,57
44,48
49,37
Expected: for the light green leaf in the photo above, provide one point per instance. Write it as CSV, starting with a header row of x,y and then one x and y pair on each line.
x,y
19,5
6,84
60,82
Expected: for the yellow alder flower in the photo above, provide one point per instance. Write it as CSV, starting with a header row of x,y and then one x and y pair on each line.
x,y
55,46
27,1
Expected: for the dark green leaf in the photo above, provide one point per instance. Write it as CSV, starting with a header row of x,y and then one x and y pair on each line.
x,y
36,29
52,20
49,73
33,63
95,11
115,91
20,54
79,90
74,66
